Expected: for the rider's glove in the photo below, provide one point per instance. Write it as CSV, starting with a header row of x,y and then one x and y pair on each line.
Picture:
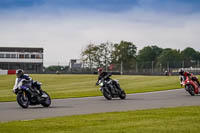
x,y
14,91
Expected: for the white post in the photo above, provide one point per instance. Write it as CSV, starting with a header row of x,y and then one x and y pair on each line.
x,y
152,66
136,67
121,68
183,64
168,66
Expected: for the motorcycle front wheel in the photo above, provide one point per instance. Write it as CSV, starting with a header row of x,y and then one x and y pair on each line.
x,y
22,100
107,94
190,89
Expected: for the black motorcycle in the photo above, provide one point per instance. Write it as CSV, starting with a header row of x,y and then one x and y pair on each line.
x,y
110,89
27,95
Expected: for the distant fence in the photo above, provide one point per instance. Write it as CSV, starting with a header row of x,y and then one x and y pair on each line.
x,y
164,72
144,68
136,68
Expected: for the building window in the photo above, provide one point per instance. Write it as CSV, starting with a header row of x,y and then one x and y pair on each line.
x,y
30,66
7,55
32,56
1,55
21,56
13,56
26,56
38,56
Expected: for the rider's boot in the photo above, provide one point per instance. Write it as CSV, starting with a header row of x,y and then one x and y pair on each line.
x,y
42,94
118,87
198,83
40,91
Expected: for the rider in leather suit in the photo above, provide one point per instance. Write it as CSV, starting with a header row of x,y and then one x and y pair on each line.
x,y
106,76
28,80
186,74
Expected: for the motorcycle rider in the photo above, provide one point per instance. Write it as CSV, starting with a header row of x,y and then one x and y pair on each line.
x,y
102,74
187,74
28,80
106,76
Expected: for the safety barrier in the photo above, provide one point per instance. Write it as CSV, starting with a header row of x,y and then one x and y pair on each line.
x,y
7,72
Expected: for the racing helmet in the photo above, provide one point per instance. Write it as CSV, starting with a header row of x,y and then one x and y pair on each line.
x,y
100,70
19,72
181,71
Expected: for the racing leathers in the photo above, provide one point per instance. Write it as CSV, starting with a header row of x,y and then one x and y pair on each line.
x,y
187,74
106,76
28,81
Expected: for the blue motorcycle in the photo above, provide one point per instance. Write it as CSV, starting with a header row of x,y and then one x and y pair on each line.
x,y
28,95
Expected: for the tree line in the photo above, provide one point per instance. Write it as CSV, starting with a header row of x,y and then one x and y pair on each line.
x,y
126,54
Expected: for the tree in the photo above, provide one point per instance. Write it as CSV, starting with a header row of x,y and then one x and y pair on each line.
x,y
147,55
105,50
170,58
125,53
198,55
89,55
98,55
189,54
189,57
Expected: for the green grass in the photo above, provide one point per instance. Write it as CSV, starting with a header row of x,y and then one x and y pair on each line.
x,y
67,86
168,120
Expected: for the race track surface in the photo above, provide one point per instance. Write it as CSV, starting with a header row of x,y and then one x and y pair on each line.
x,y
10,111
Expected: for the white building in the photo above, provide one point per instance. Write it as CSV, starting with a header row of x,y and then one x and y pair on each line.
x,y
75,64
29,59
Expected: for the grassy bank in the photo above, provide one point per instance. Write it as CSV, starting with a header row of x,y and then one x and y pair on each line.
x,y
66,86
169,120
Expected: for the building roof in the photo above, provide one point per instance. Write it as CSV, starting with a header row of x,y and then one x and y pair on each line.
x,y
21,49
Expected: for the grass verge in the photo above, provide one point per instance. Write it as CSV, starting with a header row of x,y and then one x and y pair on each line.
x,y
68,86
167,120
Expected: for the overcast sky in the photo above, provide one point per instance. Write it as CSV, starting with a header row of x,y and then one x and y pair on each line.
x,y
64,27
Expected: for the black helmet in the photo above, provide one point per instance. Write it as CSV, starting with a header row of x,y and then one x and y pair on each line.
x,y
181,71
19,72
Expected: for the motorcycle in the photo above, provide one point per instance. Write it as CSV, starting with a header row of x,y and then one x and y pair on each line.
x,y
109,90
190,86
27,95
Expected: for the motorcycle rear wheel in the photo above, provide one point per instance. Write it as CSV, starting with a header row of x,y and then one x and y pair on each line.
x,y
47,101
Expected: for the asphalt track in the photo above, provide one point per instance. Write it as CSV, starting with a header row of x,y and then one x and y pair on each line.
x,y
10,111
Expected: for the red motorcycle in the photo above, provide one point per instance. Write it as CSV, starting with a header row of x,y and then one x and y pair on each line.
x,y
191,86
